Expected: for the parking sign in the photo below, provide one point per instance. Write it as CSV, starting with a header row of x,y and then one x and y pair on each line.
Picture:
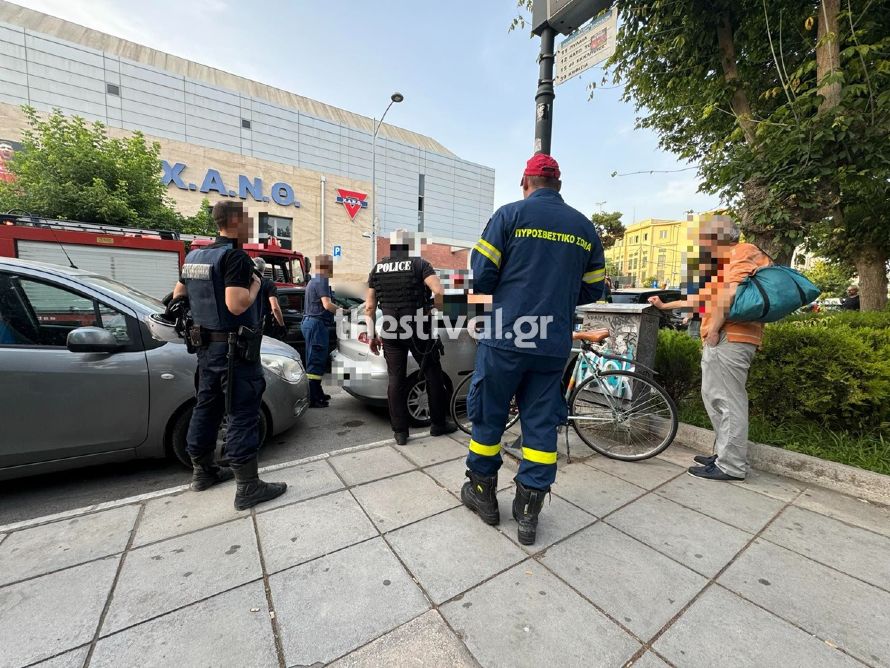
x,y
338,251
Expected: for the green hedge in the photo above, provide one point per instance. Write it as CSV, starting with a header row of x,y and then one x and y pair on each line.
x,y
832,370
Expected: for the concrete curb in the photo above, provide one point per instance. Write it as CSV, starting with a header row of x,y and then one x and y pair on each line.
x,y
841,478
139,498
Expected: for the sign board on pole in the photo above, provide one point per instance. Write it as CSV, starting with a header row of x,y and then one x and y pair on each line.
x,y
338,251
564,16
587,47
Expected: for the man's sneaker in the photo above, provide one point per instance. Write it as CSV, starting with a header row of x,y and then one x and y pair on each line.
x,y
401,437
447,427
711,472
705,460
479,494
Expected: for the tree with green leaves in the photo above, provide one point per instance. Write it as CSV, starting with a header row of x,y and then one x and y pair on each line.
x,y
201,223
608,226
785,109
832,278
73,170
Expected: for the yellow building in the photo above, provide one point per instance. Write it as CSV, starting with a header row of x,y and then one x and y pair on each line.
x,y
655,248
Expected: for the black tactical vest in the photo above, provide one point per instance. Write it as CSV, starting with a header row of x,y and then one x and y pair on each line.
x,y
202,274
398,284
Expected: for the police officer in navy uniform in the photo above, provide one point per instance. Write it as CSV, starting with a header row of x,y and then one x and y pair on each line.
x,y
222,286
538,259
318,316
406,287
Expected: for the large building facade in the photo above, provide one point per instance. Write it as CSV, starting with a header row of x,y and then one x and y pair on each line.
x,y
302,168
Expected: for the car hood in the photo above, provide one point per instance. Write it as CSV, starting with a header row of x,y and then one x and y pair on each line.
x,y
161,330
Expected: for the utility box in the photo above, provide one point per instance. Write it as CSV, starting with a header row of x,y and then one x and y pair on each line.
x,y
634,330
565,16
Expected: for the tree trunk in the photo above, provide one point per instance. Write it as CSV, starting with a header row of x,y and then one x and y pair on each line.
x,y
871,265
828,49
739,103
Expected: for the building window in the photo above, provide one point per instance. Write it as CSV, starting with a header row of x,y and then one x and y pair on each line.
x,y
637,239
245,124
663,234
277,227
420,195
113,89
646,237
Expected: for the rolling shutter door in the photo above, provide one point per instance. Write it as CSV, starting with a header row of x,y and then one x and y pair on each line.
x,y
153,272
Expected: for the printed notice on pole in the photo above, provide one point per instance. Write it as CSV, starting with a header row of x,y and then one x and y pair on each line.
x,y
587,46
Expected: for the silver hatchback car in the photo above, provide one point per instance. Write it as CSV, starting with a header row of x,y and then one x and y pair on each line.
x,y
88,377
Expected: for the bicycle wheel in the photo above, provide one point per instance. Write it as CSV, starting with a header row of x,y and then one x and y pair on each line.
x,y
623,415
459,407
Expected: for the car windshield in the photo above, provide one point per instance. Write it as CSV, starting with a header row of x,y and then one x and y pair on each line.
x,y
149,302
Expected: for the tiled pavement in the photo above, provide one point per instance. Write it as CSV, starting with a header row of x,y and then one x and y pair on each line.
x,y
370,560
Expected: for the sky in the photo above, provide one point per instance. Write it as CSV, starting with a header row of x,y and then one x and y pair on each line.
x,y
468,82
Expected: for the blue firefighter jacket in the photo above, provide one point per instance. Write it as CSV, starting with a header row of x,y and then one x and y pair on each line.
x,y
539,258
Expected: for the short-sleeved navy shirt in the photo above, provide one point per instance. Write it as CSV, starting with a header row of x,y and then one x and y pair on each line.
x,y
317,288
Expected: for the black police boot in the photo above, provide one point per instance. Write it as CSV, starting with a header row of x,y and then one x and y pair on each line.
x,y
251,490
401,437
480,496
316,396
526,508
206,474
447,427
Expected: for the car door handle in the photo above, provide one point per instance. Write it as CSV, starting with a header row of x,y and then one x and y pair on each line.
x,y
167,376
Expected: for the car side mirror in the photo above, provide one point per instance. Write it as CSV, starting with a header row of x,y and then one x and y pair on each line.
x,y
92,340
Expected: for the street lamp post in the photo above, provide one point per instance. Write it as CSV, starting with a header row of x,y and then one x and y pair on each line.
x,y
395,97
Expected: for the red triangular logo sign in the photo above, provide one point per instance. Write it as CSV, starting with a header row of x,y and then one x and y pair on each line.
x,y
352,200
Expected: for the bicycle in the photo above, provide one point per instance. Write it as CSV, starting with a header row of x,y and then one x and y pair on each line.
x,y
618,412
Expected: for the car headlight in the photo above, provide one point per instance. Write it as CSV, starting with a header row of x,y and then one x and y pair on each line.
x,y
286,368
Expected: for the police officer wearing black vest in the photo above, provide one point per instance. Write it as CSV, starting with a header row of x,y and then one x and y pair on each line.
x,y
406,287
222,287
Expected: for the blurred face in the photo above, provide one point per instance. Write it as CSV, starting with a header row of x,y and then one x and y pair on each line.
x,y
714,237
324,264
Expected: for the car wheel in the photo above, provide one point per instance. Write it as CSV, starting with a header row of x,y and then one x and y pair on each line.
x,y
418,401
179,431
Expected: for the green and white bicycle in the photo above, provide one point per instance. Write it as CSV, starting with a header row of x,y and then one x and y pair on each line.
x,y
617,410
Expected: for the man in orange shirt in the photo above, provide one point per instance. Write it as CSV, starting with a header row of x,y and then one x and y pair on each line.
x,y
728,349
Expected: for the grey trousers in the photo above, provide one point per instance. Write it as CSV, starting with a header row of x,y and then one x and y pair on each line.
x,y
724,370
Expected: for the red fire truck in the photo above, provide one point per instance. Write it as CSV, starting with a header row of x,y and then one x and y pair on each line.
x,y
147,260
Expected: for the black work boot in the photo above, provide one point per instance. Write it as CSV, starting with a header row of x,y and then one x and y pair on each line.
x,y
447,427
205,472
526,507
480,496
251,490
400,437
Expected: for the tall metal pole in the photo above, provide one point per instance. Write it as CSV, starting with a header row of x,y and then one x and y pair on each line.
x,y
374,194
545,95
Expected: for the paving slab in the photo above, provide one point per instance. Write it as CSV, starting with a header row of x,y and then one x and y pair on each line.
x,y
847,509
695,540
433,450
452,475
679,455
367,465
784,489
169,516
857,552
650,660
528,617
740,634
395,502
453,551
633,583
741,508
161,577
832,606
593,490
425,641
53,613
316,603
303,482
309,529
557,520
72,659
648,474
49,547
231,629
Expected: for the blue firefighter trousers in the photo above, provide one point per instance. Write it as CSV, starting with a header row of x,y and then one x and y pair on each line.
x,y
248,385
535,381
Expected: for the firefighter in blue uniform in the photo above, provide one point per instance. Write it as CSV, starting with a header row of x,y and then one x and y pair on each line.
x,y
222,287
318,316
538,258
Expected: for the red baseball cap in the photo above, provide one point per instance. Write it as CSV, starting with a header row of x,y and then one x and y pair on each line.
x,y
542,164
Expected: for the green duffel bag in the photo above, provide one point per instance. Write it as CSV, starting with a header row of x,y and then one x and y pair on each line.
x,y
771,293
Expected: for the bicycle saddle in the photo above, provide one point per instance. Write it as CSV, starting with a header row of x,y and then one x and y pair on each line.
x,y
593,336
